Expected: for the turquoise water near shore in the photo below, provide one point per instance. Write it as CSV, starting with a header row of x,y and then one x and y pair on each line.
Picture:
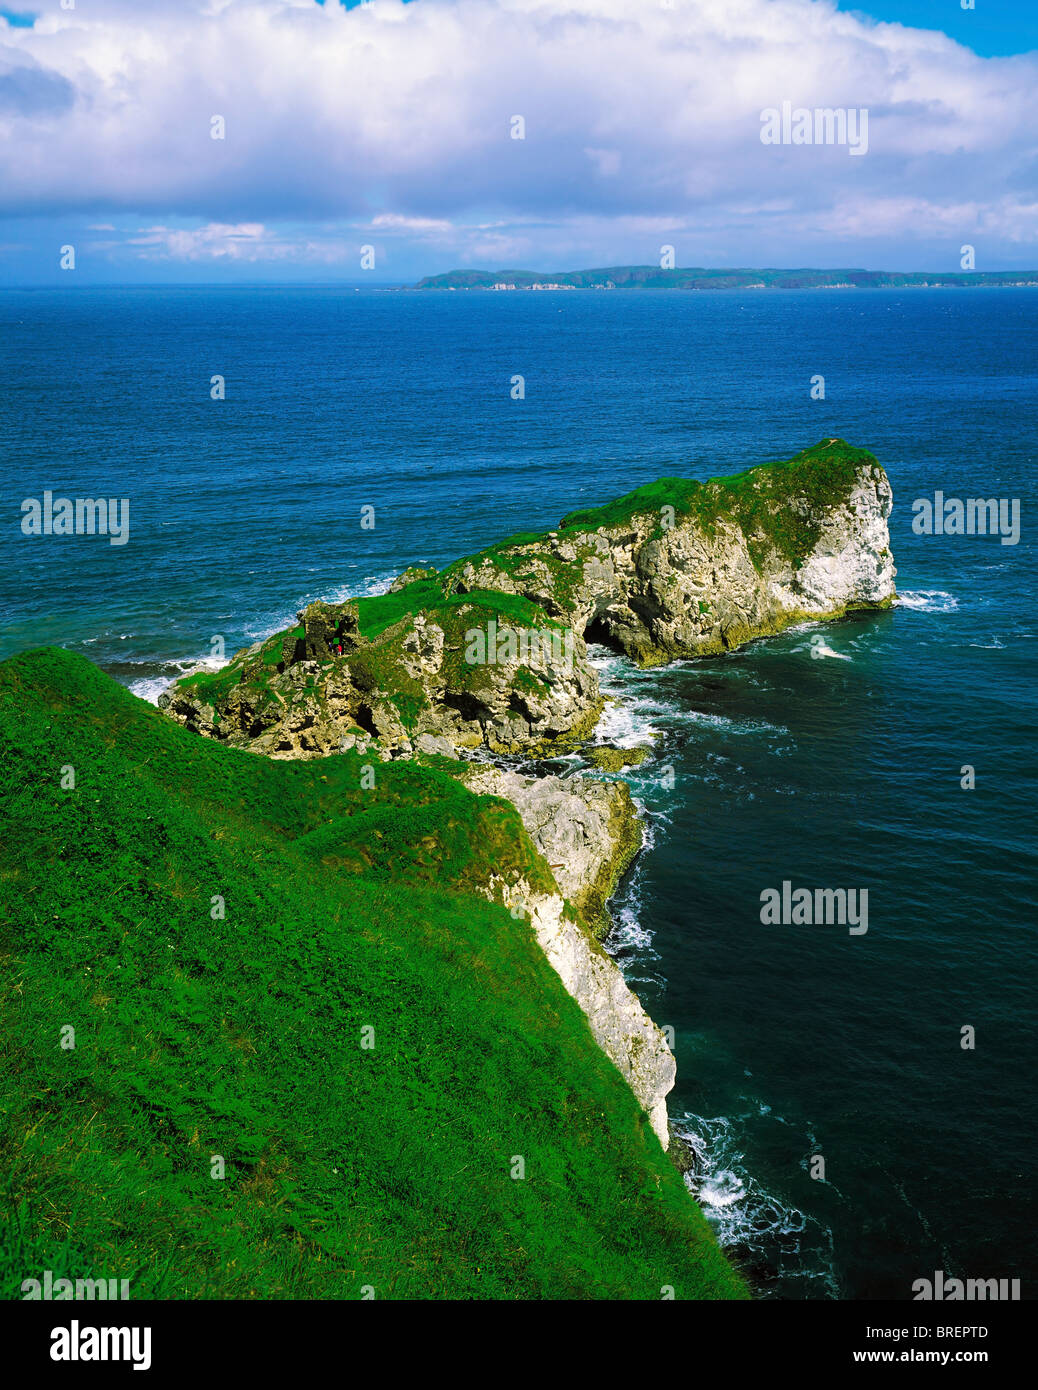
x,y
839,769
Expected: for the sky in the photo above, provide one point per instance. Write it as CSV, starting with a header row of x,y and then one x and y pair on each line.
x,y
249,141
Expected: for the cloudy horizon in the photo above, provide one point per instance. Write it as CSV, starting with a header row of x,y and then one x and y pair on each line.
x,y
246,140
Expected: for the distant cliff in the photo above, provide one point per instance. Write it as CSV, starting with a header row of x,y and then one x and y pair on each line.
x,y
650,277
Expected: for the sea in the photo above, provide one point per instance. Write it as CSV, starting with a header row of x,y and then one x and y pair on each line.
x,y
861,1105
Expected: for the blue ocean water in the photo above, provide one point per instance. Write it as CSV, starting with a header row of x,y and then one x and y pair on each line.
x,y
843,769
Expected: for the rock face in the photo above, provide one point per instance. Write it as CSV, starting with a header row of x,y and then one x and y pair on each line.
x,y
528,684
619,1024
588,832
490,652
683,569
612,759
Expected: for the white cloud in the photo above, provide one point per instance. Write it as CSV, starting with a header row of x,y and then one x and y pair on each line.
x,y
396,118
215,241
245,242
394,222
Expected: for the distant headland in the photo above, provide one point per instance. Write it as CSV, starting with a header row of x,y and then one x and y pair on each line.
x,y
650,277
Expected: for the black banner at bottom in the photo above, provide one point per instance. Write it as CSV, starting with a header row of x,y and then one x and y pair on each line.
x,y
163,1340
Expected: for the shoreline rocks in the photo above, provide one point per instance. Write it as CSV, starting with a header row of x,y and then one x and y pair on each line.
x,y
609,758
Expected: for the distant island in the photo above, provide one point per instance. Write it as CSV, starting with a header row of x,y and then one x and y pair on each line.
x,y
650,277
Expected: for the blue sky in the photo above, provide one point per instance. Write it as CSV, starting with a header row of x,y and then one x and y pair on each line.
x,y
393,127
993,28
990,27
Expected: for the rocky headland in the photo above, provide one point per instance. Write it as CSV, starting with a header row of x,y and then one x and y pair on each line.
x,y
486,661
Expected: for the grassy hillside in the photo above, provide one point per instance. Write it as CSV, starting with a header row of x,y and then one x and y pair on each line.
x,y
346,908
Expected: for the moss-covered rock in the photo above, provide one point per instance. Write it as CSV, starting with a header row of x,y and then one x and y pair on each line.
x,y
611,759
410,575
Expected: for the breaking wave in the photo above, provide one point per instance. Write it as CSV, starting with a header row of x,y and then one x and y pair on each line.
x,y
767,1234
928,600
149,687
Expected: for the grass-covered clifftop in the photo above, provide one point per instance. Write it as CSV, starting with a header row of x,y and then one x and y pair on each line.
x,y
675,568
220,930
778,505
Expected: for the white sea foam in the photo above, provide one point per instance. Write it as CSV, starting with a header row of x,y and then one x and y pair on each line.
x,y
741,1210
629,940
633,711
372,586
151,687
734,726
637,712
260,634
928,600
626,724
628,934
722,1189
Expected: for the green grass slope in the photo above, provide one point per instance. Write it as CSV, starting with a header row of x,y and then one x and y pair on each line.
x,y
346,909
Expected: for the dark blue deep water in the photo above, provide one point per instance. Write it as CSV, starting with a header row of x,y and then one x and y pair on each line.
x,y
834,770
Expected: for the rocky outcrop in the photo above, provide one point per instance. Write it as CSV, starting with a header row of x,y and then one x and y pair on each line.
x,y
410,576
612,759
528,685
490,652
684,569
619,1024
